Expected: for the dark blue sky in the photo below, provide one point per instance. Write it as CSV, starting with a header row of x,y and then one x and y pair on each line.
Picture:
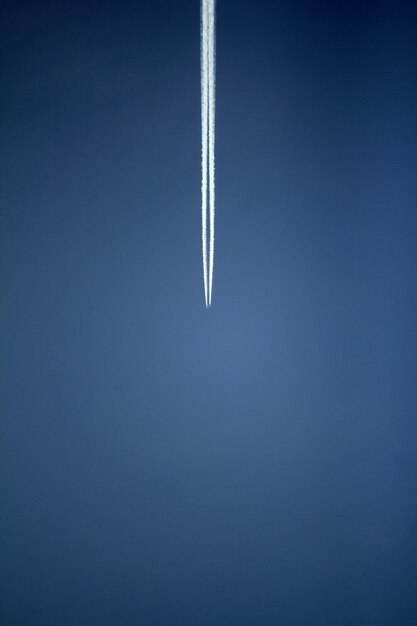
x,y
254,464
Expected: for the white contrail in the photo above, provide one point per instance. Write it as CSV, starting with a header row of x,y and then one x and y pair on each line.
x,y
204,137
212,127
208,102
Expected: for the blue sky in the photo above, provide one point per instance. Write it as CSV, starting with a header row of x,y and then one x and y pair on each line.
x,y
251,464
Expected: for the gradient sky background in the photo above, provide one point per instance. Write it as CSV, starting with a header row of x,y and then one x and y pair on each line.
x,y
250,465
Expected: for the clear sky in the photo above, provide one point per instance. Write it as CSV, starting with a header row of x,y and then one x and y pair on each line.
x,y
254,464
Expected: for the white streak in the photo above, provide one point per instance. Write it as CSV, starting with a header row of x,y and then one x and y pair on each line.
x,y
212,128
208,103
204,137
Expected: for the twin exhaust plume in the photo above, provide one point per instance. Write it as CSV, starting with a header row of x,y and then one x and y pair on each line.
x,y
208,120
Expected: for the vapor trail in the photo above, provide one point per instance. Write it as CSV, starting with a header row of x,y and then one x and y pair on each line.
x,y
208,102
204,137
212,128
